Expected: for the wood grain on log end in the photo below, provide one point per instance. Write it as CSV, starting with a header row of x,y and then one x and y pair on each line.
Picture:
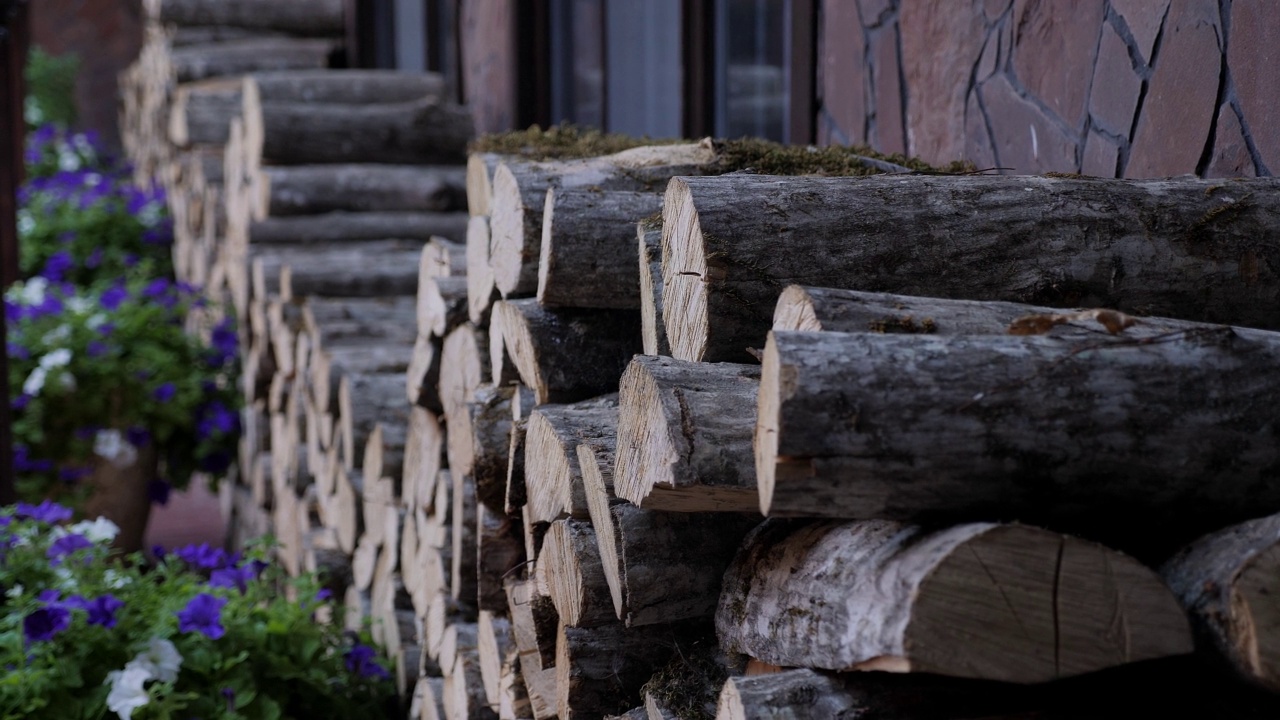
x,y
553,478
999,602
684,275
649,238
480,289
516,226
578,586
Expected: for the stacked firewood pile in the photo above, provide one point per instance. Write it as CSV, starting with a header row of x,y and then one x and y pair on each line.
x,y
538,459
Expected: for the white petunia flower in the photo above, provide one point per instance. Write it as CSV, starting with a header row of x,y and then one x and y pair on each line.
x,y
15,591
127,691
111,446
161,658
68,161
58,358
57,335
95,321
29,292
34,382
101,530
80,305
114,579
67,381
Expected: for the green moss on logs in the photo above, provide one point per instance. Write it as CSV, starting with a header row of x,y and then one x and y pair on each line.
x,y
560,142
690,684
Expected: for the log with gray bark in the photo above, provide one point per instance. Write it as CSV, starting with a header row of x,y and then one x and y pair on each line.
x,y
1141,442
462,576
553,478
372,268
201,111
1228,582
296,17
358,226
364,400
478,437
587,253
520,189
238,57
578,586
314,189
500,550
601,669
997,602
684,435
1186,248
654,334
571,354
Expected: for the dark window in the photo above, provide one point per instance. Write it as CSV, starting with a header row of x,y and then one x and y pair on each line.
x,y
751,68
577,62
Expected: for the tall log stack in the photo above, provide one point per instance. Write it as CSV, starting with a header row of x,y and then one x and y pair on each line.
x,y
543,522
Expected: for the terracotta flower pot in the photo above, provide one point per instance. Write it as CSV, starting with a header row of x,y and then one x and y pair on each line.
x,y
120,494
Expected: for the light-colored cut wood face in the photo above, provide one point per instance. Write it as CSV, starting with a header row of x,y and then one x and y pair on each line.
x,y
1063,606
1254,607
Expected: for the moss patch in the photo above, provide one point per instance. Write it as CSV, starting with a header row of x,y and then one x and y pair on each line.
x,y
561,142
690,684
771,158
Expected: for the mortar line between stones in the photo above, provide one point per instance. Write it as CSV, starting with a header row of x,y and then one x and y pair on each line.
x,y
1224,77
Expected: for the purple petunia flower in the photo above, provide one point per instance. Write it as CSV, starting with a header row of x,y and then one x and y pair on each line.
x,y
359,660
216,418
156,288
323,594
97,348
20,402
102,611
56,267
47,511
41,625
202,555
94,259
17,352
74,474
233,577
165,392
204,615
113,296
48,596
66,545
137,436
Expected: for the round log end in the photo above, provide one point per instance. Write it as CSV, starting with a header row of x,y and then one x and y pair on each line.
x,y
794,311
546,260
766,433
646,452
1255,609
479,186
479,273
1061,605
517,339
507,226
684,274
547,469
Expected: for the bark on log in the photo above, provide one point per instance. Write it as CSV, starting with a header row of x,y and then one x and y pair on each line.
x,y
442,305
1227,581
553,478
239,57
182,36
1009,603
331,322
500,550
587,254
314,189
517,493
519,196
462,578
422,379
464,697
422,132
1040,429
578,586
201,111
344,269
478,443
533,626
568,355
322,18
347,227
348,87
364,400
480,291
653,332
683,435
1184,248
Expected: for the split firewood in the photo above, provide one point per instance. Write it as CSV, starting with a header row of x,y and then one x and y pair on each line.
x,y
587,255
477,442
442,305
682,435
315,189
480,168
462,576
424,447
480,290
333,227
238,57
568,355
422,378
464,366
649,236
1227,582
464,697
520,189
499,551
553,478
493,643
846,433
578,586
1036,239
432,698
533,626
997,602
363,401
443,258
297,17
601,669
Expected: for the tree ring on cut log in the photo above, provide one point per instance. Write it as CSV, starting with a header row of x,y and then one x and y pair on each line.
x,y
508,245
684,274
643,455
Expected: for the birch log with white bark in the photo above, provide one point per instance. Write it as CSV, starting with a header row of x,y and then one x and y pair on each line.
x,y
1186,248
997,602
1037,428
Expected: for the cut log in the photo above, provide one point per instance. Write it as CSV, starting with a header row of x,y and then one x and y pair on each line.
x,y
480,290
493,644
201,112
499,551
182,36
314,189
519,196
600,670
331,322
443,258
1009,603
571,354
374,268
533,626
364,400
683,435
553,478
462,578
587,254
422,379
296,17
346,227
464,366
1185,248
432,698
442,305
1227,581
578,586
480,168
478,443
464,697
423,132
1000,427
517,493
238,57
654,334
424,448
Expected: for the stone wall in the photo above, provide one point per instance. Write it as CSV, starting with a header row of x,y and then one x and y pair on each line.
x,y
106,35
1116,88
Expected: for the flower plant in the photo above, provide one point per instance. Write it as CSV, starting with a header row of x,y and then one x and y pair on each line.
x,y
98,374
198,634
82,216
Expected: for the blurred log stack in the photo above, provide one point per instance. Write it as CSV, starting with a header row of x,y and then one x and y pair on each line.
x,y
533,442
